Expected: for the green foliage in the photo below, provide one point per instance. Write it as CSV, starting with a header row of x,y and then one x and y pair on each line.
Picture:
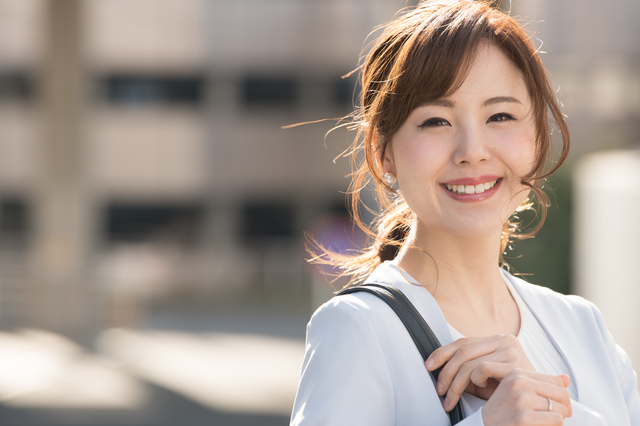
x,y
546,258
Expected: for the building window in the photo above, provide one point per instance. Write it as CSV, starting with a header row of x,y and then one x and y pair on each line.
x,y
15,221
269,91
142,90
16,86
153,222
343,91
267,220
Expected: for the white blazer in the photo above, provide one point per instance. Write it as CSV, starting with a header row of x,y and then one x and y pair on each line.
x,y
362,368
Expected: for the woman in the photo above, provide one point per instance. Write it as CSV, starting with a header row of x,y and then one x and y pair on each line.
x,y
455,129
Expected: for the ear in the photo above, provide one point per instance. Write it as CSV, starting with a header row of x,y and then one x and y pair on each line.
x,y
387,161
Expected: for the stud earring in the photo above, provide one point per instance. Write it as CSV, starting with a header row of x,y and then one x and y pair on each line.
x,y
389,178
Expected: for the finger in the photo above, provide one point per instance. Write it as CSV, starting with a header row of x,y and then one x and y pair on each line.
x,y
478,375
485,392
541,377
565,380
544,385
466,360
560,400
552,406
489,370
444,353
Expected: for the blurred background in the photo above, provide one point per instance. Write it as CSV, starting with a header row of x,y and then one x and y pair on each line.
x,y
153,211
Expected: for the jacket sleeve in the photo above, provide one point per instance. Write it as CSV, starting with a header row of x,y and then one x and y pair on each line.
x,y
345,379
584,416
626,376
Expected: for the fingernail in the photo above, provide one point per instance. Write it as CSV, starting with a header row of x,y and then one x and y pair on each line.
x,y
439,389
429,364
445,404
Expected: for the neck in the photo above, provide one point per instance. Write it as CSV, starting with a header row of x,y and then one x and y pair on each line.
x,y
462,275
452,267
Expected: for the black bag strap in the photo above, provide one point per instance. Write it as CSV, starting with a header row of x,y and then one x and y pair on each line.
x,y
420,332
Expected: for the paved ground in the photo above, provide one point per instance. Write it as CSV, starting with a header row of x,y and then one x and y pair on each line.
x,y
165,408
233,366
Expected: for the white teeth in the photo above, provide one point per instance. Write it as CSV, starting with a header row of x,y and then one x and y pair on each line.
x,y
471,189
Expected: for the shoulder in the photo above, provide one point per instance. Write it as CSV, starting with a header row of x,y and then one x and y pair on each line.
x,y
362,307
343,335
358,307
543,298
548,295
359,321
355,312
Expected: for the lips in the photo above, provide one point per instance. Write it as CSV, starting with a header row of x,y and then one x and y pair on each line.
x,y
478,188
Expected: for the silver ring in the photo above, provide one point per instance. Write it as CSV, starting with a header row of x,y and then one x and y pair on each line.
x,y
550,404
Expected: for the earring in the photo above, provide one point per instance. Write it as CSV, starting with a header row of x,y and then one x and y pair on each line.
x,y
389,178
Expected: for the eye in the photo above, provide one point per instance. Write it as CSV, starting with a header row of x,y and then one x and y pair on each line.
x,y
435,122
503,116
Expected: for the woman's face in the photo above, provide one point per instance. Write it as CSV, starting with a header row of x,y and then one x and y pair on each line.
x,y
459,160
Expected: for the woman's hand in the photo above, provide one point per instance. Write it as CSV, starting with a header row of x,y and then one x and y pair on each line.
x,y
523,398
476,365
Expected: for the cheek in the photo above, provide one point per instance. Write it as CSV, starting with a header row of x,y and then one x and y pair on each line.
x,y
521,153
420,165
420,153
521,158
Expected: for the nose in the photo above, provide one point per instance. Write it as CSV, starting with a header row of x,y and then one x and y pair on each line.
x,y
471,147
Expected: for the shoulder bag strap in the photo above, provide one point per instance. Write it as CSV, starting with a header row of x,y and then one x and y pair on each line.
x,y
420,332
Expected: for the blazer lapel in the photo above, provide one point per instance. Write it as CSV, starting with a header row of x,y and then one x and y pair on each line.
x,y
562,339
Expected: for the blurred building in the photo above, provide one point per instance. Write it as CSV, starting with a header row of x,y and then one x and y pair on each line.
x,y
592,50
142,155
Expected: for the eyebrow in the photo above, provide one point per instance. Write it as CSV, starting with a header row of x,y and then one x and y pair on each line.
x,y
448,104
439,102
500,99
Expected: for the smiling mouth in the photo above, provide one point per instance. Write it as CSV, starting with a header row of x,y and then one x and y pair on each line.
x,y
471,189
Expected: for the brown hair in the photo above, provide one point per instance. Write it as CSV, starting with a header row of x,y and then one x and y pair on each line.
x,y
424,55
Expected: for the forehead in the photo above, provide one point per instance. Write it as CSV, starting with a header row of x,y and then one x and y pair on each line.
x,y
492,74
